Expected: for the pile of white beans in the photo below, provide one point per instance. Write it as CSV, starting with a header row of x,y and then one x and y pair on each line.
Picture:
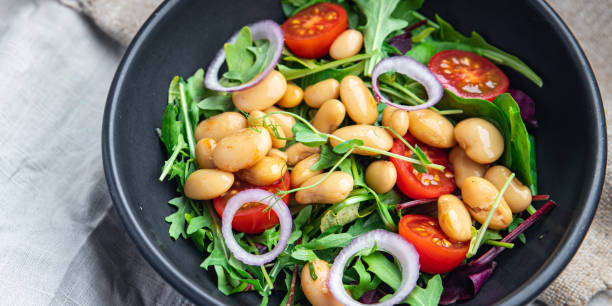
x,y
230,144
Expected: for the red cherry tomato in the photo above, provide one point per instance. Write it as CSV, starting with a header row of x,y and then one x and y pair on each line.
x,y
468,74
429,185
252,218
437,252
311,31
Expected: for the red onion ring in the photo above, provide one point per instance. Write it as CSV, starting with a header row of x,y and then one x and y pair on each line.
x,y
265,29
264,197
413,69
396,245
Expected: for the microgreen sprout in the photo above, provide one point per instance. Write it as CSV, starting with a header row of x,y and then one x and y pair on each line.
x,y
475,243
186,120
180,145
360,147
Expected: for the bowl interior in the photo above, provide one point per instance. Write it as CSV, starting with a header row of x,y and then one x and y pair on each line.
x,y
183,36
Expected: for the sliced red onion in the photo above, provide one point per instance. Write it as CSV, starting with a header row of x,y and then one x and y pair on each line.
x,y
259,196
265,29
396,245
413,69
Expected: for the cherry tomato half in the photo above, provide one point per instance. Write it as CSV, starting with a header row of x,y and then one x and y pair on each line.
x,y
437,252
252,218
429,185
311,31
468,74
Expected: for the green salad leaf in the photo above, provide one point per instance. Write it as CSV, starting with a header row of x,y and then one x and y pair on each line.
x,y
306,136
379,25
386,270
430,295
215,105
246,58
177,219
519,157
333,73
292,73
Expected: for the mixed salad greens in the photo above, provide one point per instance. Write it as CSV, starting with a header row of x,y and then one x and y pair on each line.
x,y
243,165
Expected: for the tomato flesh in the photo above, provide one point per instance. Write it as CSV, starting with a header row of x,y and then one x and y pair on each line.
x,y
311,31
468,74
429,185
437,252
252,218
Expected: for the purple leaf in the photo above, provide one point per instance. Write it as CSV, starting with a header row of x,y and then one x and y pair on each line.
x,y
465,281
403,42
527,106
370,297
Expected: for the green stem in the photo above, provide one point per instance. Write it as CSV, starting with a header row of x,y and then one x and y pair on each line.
x,y
450,112
383,212
364,148
398,95
403,90
507,245
421,17
322,179
276,269
180,145
300,73
187,121
531,210
194,207
483,228
263,269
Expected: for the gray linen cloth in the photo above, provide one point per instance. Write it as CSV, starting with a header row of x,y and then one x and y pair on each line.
x,y
61,241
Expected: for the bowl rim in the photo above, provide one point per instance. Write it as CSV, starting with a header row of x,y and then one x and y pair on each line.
x,y
551,268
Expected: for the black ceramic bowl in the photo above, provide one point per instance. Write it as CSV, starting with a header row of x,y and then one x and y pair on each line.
x,y
182,36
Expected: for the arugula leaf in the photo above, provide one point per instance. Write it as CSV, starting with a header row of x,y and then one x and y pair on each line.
x,y
177,219
195,87
327,159
197,223
364,280
330,241
343,147
378,26
481,47
237,56
333,73
215,105
390,197
306,136
245,58
387,271
297,73
364,225
173,90
304,254
269,237
171,127
428,296
302,217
